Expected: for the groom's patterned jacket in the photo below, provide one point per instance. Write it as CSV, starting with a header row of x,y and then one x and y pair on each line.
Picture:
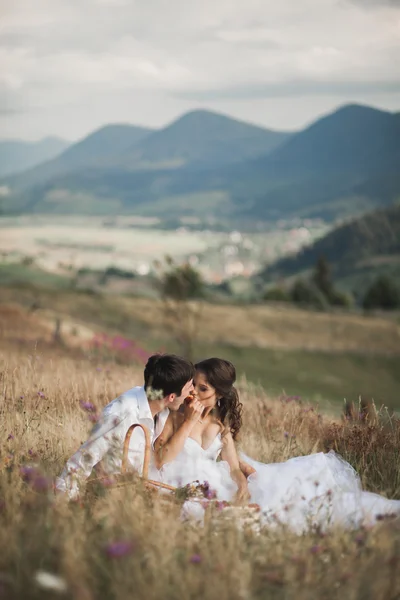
x,y
105,444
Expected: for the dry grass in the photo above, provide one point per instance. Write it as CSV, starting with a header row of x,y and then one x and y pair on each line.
x,y
42,424
264,326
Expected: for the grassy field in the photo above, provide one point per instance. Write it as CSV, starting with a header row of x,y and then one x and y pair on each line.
x,y
321,357
320,377
126,543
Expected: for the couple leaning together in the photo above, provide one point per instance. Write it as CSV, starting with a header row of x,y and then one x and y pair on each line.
x,y
195,441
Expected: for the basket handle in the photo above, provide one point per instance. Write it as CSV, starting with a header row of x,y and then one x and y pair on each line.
x,y
147,449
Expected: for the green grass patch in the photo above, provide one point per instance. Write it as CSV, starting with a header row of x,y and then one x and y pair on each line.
x,y
15,274
322,377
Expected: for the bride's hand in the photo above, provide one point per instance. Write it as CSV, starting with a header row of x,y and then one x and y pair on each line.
x,y
193,410
242,495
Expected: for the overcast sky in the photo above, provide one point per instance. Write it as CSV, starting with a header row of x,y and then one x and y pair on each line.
x,y
70,66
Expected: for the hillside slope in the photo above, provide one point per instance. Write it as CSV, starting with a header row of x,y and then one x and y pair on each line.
x,y
94,150
356,251
17,155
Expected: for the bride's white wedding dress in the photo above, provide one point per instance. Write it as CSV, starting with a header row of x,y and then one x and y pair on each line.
x,y
320,490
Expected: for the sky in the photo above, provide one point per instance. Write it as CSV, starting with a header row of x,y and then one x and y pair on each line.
x,y
68,67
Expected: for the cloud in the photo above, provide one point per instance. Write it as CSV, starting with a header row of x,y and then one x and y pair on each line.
x,y
63,55
6,111
376,3
296,88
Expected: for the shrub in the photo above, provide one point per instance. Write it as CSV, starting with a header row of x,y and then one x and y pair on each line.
x,y
306,293
277,294
338,298
182,283
383,293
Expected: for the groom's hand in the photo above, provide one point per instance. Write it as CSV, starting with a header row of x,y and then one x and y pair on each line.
x,y
193,410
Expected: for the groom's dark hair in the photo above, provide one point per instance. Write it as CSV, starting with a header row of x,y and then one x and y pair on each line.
x,y
167,373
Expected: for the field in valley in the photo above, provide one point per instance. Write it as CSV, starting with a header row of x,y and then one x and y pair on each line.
x,y
63,245
125,542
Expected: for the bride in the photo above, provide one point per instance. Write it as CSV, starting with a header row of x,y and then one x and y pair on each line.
x,y
319,490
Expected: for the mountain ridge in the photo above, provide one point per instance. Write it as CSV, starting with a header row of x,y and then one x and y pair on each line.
x,y
344,163
17,155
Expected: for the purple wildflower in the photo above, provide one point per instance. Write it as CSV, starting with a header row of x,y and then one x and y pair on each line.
x,y
10,437
41,394
316,549
88,406
36,480
27,472
195,559
21,397
286,434
119,549
210,494
41,483
98,369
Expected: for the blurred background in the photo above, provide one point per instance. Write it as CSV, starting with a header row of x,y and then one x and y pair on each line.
x,y
209,179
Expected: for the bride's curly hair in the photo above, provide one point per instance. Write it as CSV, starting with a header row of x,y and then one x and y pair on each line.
x,y
221,374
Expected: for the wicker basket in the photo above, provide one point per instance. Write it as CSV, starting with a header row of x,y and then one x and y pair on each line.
x,y
129,476
146,462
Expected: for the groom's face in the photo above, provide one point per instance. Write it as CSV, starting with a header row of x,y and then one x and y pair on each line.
x,y
177,401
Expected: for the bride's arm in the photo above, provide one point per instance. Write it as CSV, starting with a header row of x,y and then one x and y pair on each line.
x,y
246,469
170,443
229,454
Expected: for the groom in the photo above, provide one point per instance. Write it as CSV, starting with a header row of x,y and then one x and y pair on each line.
x,y
168,380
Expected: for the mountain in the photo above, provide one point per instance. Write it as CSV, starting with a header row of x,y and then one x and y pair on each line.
x,y
123,166
96,150
200,139
336,167
203,138
208,165
104,144
17,155
350,139
356,250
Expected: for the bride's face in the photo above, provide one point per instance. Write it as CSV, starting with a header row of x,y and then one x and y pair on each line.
x,y
205,391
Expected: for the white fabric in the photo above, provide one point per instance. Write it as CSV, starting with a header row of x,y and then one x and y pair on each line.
x,y
106,440
319,490
196,464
